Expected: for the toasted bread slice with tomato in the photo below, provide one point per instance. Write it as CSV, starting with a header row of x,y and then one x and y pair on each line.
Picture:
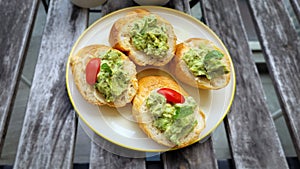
x,y
145,118
78,64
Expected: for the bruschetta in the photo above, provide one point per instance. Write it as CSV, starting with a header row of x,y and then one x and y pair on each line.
x,y
166,113
200,63
147,38
104,76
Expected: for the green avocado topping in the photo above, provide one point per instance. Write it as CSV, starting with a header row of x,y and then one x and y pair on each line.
x,y
112,81
205,63
149,37
175,121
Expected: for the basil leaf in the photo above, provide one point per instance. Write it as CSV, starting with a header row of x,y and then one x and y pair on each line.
x,y
214,54
183,111
106,68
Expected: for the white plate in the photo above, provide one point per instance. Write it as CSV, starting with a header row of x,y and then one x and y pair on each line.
x,y
118,126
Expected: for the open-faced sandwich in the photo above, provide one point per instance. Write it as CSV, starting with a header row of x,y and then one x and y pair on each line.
x,y
146,38
200,63
166,113
104,76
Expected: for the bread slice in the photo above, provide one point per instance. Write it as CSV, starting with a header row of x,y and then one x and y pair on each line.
x,y
180,69
120,39
78,64
144,118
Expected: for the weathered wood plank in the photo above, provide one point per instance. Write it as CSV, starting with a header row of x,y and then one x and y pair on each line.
x,y
103,159
281,46
296,6
49,129
198,155
113,5
251,130
181,5
17,19
202,153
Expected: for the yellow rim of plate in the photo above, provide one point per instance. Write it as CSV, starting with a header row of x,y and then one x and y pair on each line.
x,y
149,8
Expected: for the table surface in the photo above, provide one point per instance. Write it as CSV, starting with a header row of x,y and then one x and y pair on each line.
x,y
50,123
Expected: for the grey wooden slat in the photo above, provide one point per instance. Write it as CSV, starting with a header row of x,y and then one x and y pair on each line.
x,y
49,129
181,5
296,6
102,159
252,134
17,19
97,151
203,152
198,155
113,5
281,46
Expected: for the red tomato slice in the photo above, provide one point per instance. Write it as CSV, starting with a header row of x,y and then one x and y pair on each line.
x,y
91,70
171,95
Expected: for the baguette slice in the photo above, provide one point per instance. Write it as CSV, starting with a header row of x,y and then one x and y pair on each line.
x,y
180,69
78,64
144,118
120,39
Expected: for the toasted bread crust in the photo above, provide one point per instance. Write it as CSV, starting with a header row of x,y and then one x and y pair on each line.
x,y
181,71
120,39
144,118
78,64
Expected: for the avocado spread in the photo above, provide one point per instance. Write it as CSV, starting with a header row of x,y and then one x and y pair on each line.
x,y
149,37
175,121
112,81
205,63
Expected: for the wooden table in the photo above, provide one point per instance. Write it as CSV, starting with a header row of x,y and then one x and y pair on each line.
x,y
49,129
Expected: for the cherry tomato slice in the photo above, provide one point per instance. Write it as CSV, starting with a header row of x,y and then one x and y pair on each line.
x,y
91,70
171,95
